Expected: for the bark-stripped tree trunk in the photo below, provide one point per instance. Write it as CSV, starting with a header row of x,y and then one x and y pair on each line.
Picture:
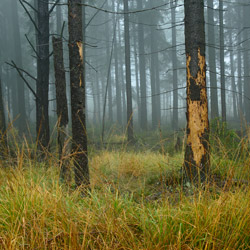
x,y
42,86
77,85
61,105
212,61
128,74
196,163
222,63
175,122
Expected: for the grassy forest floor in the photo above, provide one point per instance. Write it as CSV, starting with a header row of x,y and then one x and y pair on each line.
x,y
136,201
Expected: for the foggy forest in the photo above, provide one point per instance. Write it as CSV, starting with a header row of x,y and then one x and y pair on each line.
x,y
124,124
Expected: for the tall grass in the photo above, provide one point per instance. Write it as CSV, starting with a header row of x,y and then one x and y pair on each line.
x,y
37,211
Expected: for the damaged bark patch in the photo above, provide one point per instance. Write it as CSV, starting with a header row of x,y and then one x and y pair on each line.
x,y
197,156
79,45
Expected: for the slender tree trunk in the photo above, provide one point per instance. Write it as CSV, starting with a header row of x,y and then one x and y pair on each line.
x,y
175,123
128,74
77,85
142,66
61,105
239,83
212,61
18,59
152,78
110,96
3,137
233,78
246,63
117,79
196,163
42,86
137,75
58,19
222,62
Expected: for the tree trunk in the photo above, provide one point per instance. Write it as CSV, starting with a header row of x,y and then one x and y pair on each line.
x,y
110,96
222,63
77,85
61,105
3,137
175,123
212,61
233,78
18,59
117,78
128,74
246,63
196,163
42,86
142,66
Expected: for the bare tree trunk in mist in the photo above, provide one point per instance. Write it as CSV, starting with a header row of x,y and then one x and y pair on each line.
x,y
246,63
142,66
21,122
61,105
222,63
117,78
42,86
77,84
128,74
232,74
197,161
58,19
175,122
108,51
239,62
212,61
3,137
123,89
152,79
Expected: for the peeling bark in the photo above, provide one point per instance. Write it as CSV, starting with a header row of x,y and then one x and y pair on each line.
x,y
197,162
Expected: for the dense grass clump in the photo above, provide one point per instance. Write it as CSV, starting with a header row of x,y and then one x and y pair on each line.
x,y
132,204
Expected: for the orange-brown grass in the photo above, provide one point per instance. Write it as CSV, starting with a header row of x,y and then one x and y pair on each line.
x,y
37,211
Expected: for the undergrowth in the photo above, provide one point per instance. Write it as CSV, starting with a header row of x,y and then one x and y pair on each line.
x,y
130,206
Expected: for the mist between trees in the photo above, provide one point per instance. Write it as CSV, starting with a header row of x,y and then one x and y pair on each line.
x,y
134,65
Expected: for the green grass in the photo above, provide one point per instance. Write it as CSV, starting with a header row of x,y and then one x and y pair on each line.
x,y
130,205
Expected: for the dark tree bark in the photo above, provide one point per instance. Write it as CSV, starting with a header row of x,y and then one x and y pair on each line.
x,y
18,59
142,66
222,63
196,163
128,74
77,84
42,86
175,122
212,61
61,104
